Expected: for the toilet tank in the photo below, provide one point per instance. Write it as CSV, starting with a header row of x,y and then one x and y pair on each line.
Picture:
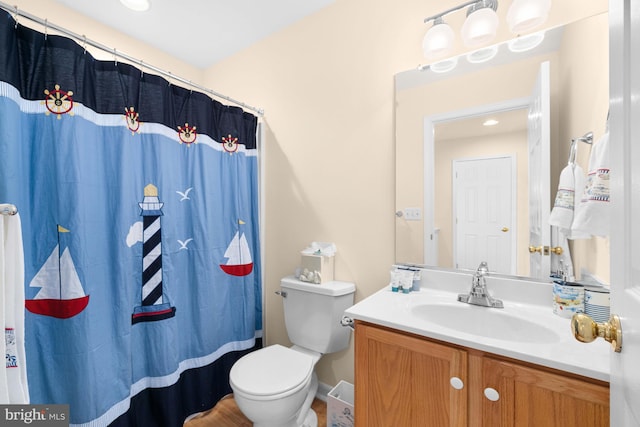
x,y
312,313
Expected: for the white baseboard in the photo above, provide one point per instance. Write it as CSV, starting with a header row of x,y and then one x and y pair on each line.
x,y
323,391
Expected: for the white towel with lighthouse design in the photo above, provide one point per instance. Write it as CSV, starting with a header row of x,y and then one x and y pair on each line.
x,y
13,379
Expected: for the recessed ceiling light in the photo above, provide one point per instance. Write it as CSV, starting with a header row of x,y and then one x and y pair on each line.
x,y
137,5
490,122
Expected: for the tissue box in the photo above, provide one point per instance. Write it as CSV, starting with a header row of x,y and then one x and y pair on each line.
x,y
323,264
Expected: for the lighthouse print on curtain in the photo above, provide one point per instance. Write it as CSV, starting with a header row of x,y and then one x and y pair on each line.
x,y
139,208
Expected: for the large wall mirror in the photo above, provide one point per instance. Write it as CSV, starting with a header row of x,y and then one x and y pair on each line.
x,y
449,166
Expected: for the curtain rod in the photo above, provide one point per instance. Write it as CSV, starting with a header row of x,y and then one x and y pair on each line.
x,y
81,38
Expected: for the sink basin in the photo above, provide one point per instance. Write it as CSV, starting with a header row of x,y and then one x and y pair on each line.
x,y
486,322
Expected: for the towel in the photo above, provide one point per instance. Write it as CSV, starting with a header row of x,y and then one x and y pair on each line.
x,y
13,379
593,214
567,198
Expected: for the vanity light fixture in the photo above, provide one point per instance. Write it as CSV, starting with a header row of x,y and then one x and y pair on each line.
x,y
481,24
137,5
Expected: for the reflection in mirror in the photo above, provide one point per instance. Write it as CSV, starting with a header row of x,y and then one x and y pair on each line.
x,y
429,103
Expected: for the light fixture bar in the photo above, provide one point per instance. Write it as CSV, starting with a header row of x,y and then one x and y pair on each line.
x,y
453,9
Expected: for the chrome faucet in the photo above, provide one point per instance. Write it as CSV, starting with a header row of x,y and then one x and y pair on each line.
x,y
479,294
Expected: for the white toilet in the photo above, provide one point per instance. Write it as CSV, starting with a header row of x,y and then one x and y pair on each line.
x,y
275,386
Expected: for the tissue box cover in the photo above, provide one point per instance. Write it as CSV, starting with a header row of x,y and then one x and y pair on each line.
x,y
340,405
320,263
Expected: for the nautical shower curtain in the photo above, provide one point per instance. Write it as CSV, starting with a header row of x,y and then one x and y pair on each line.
x,y
139,207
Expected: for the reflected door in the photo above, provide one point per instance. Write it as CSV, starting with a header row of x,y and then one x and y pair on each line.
x,y
539,136
484,213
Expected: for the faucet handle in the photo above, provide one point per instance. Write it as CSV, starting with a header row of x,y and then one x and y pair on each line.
x,y
483,268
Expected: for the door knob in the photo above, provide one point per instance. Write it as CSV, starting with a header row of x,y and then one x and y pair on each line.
x,y
586,330
543,250
556,250
505,229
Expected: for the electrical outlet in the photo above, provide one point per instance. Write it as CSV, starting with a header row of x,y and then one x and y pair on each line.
x,y
412,214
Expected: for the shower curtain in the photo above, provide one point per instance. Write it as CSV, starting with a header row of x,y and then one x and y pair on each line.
x,y
139,208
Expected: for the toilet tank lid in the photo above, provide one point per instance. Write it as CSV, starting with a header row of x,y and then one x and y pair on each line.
x,y
333,288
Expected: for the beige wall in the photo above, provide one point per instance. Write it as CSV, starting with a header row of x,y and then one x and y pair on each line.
x,y
584,106
326,84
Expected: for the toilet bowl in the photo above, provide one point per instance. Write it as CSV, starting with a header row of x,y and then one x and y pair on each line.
x,y
271,387
275,386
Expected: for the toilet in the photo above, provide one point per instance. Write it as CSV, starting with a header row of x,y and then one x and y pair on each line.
x,y
275,386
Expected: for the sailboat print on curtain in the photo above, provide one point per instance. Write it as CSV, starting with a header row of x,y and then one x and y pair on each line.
x,y
239,261
61,294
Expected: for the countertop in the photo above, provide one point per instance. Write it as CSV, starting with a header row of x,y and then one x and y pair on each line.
x,y
561,351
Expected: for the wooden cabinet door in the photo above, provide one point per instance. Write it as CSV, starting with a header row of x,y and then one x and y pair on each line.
x,y
530,397
404,380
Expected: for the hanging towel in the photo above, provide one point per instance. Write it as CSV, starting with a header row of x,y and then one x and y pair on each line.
x,y
567,198
13,379
593,214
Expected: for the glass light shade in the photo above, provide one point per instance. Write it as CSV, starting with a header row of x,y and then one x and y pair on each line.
x,y
525,15
524,43
444,66
438,41
137,5
480,27
482,55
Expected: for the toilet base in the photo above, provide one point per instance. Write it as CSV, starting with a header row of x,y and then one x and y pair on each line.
x,y
311,420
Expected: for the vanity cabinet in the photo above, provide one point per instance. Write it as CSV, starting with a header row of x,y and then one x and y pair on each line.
x,y
406,380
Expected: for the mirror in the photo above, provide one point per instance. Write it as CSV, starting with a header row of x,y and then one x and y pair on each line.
x,y
452,106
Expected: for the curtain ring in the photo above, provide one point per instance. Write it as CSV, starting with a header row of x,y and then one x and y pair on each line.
x,y
84,43
115,56
141,69
169,78
16,18
46,28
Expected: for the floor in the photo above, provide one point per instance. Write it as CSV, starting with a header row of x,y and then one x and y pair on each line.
x,y
227,414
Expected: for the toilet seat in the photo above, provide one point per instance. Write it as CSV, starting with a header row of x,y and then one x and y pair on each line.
x,y
271,372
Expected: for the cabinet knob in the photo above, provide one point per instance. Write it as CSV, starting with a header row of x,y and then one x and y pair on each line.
x,y
491,394
456,383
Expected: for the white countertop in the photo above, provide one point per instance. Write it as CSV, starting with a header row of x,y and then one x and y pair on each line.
x,y
561,351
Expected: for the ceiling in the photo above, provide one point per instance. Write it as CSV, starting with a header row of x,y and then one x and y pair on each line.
x,y
199,32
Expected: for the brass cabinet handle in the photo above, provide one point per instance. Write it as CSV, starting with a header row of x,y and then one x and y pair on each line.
x,y
556,250
586,330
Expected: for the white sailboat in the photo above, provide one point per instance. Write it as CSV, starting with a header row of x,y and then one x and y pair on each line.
x,y
61,294
239,261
